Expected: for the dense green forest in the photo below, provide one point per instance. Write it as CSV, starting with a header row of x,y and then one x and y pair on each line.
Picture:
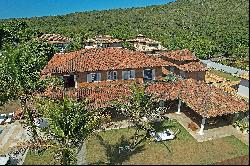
x,y
207,27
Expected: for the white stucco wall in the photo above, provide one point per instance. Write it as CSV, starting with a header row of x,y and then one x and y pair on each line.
x,y
243,89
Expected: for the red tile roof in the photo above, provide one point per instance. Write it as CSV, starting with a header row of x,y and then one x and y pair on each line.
x,y
165,71
205,100
244,76
100,59
192,66
210,101
104,39
54,38
180,55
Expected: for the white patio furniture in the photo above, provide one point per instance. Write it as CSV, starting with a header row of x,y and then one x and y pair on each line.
x,y
162,136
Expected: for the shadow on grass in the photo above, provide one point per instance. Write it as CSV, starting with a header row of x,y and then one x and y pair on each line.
x,y
114,153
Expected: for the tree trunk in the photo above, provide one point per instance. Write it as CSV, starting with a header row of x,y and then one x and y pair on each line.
x,y
30,116
136,137
64,157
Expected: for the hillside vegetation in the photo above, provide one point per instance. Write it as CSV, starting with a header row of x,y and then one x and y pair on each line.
x,y
207,27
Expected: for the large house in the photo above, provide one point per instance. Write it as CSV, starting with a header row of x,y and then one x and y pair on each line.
x,y
104,74
184,64
103,41
147,45
86,66
57,40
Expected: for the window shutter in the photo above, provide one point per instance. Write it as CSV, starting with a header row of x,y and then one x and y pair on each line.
x,y
75,79
109,75
98,76
115,75
89,78
132,73
153,74
124,75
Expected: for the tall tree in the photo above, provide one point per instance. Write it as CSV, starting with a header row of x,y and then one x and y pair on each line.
x,y
140,107
69,124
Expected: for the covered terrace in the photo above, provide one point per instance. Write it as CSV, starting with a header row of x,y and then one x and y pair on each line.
x,y
207,105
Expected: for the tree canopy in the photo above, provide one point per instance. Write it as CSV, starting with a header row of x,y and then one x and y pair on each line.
x,y
206,27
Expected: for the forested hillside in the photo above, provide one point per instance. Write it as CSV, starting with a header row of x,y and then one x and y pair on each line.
x,y
207,27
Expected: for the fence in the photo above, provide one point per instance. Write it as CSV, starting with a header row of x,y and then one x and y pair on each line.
x,y
228,69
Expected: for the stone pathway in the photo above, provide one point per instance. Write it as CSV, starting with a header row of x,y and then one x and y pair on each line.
x,y
209,134
81,155
13,134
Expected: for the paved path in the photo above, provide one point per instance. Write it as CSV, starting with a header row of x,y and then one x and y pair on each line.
x,y
209,134
81,155
13,134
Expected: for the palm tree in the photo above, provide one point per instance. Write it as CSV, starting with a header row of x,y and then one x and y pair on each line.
x,y
140,107
69,124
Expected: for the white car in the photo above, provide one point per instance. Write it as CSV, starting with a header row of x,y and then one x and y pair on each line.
x,y
162,136
4,160
2,118
10,116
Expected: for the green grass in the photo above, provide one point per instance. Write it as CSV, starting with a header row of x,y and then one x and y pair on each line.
x,y
102,148
46,158
184,149
224,75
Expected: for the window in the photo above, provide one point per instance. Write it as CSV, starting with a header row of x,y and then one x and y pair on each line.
x,y
172,69
130,74
89,44
69,81
99,45
182,74
112,75
149,74
93,77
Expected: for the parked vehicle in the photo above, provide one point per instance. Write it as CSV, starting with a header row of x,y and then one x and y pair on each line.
x,y
10,117
4,160
2,118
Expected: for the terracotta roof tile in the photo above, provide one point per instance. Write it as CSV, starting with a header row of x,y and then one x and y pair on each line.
x,y
180,55
104,39
143,39
100,59
165,71
208,101
54,38
244,75
192,66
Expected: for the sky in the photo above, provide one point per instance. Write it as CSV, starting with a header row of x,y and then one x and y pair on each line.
x,y
31,8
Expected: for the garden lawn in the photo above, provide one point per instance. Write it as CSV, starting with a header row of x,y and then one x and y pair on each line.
x,y
102,148
45,158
